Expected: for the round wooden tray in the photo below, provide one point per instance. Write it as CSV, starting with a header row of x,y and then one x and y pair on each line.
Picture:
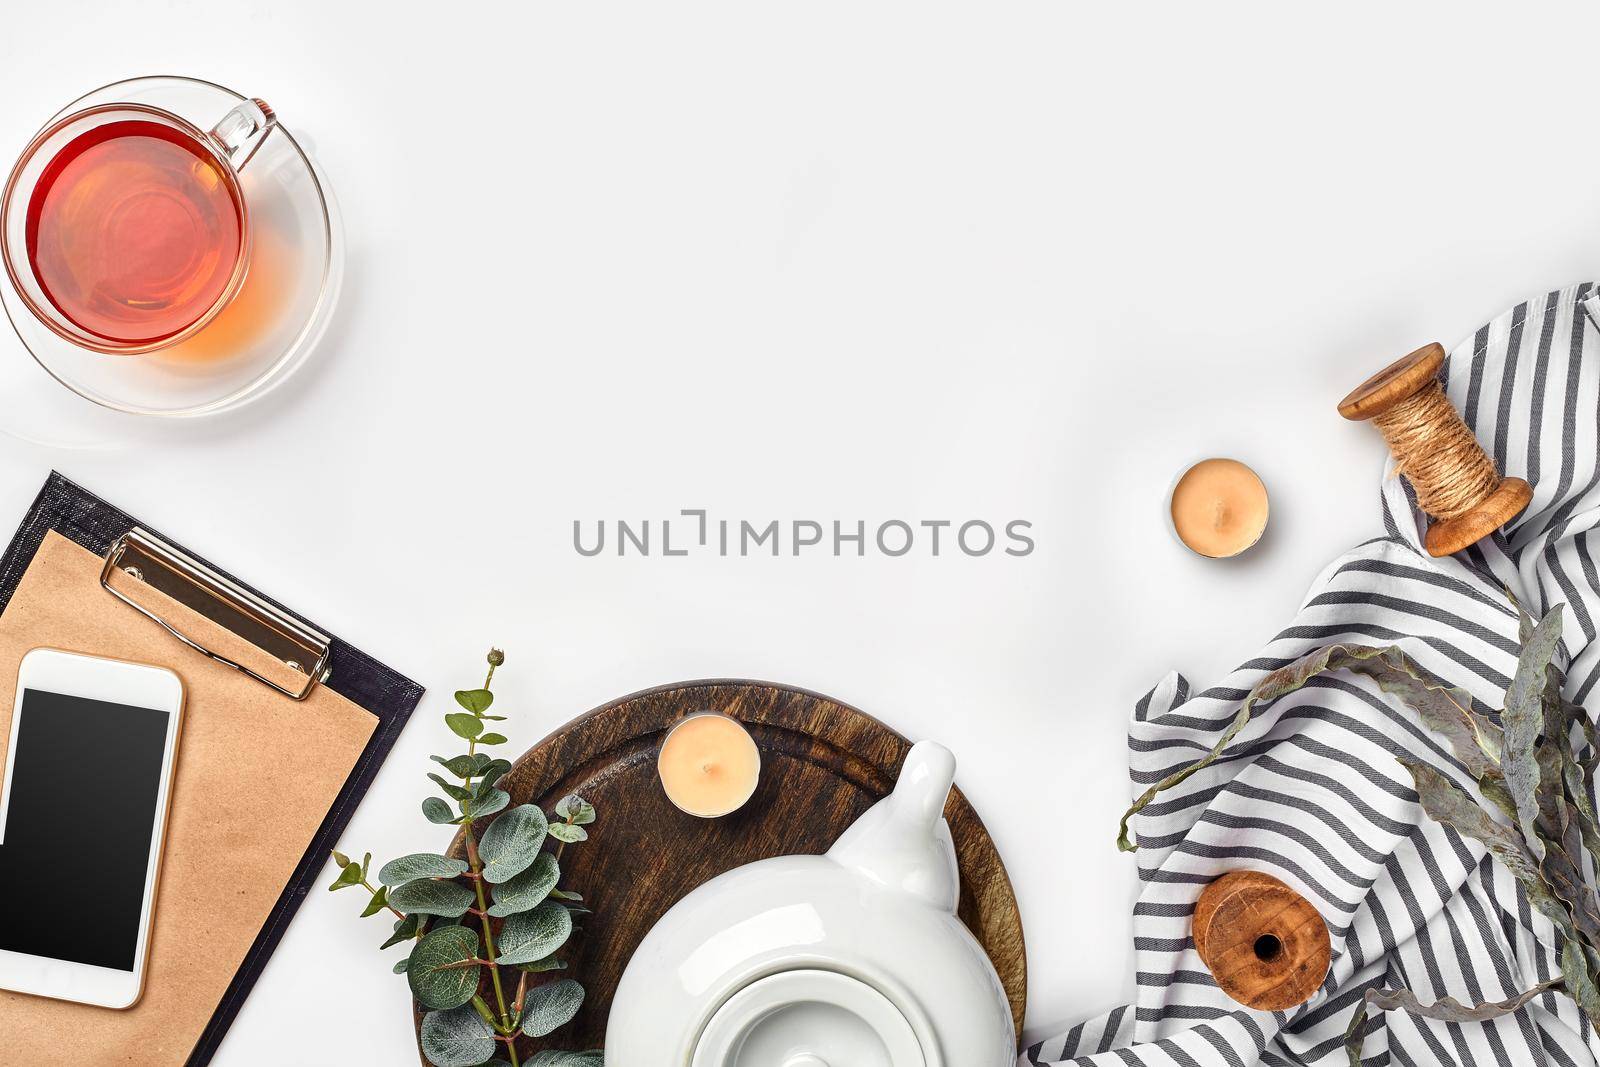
x,y
823,764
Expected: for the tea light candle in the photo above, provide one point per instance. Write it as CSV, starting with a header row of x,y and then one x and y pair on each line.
x,y
1219,507
709,765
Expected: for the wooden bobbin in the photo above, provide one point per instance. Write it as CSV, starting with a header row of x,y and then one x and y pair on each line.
x,y
1265,944
1401,379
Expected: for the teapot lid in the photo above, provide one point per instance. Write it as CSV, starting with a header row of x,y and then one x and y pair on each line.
x,y
809,1018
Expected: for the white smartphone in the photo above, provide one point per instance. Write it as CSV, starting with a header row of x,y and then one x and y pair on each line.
x,y
83,812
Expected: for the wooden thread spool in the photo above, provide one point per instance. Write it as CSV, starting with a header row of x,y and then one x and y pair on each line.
x,y
1455,479
1265,944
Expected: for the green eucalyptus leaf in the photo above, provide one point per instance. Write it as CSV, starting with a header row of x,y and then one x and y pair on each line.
x,y
549,963
550,1007
401,966
592,1058
379,901
463,725
341,859
349,876
533,935
512,842
1284,680
456,1038
366,865
1524,721
567,832
528,889
451,790
563,894
437,811
494,769
492,739
462,766
1447,804
493,800
428,896
404,930
476,701
419,865
440,974
575,809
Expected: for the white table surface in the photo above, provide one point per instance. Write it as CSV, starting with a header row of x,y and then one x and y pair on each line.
x,y
853,261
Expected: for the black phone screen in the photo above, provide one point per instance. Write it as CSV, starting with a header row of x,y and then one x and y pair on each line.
x,y
80,817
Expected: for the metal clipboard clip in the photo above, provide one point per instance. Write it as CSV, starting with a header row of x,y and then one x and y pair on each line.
x,y
147,559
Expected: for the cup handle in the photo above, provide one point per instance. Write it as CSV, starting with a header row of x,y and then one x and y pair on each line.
x,y
242,130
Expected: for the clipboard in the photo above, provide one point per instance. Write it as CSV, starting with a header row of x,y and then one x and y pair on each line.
x,y
219,632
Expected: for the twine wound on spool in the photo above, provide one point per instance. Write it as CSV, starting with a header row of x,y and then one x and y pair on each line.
x,y
1455,480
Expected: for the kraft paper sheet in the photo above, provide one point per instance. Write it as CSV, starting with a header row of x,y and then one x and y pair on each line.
x,y
256,775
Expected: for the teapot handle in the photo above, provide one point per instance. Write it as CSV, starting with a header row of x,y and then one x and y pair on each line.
x,y
925,781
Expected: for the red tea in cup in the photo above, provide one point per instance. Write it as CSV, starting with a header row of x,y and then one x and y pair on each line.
x,y
134,231
123,226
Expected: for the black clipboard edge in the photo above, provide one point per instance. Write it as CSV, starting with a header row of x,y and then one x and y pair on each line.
x,y
84,518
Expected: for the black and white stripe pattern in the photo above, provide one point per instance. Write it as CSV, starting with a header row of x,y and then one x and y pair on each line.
x,y
1311,791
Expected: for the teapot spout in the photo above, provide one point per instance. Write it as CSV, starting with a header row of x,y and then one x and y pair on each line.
x,y
903,842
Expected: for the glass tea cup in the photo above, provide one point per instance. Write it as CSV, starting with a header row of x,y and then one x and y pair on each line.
x,y
124,227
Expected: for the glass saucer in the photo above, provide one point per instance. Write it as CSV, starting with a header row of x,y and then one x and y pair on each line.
x,y
259,339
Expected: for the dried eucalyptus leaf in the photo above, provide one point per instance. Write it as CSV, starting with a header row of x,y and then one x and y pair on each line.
x,y
419,865
1524,720
1447,1010
550,1007
441,974
404,930
533,935
528,889
1355,1035
512,843
1447,804
1563,874
1284,680
1445,710
476,701
426,896
1579,978
456,1038
1577,788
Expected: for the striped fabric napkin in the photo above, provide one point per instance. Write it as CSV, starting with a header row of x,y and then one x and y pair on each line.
x,y
1311,791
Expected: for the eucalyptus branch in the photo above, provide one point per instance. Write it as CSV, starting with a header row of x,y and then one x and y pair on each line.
x,y
508,882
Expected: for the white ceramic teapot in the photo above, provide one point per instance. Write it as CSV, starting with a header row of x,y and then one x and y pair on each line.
x,y
850,959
